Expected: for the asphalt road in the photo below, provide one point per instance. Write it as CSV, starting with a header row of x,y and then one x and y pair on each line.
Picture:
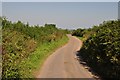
x,y
63,64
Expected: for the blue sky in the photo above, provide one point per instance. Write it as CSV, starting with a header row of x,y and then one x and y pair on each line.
x,y
70,15
0,8
119,11
59,0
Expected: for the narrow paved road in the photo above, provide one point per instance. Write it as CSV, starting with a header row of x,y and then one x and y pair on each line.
x,y
62,63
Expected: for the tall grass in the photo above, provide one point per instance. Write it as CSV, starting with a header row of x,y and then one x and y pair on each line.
x,y
34,62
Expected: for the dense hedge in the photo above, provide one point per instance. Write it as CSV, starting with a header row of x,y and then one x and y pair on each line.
x,y
79,32
48,32
101,50
19,40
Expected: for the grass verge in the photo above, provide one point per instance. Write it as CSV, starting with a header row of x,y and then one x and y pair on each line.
x,y
34,62
81,38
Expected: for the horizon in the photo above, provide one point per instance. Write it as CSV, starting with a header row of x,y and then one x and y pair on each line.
x,y
66,15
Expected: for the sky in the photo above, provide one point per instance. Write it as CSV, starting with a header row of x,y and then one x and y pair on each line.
x,y
60,0
119,10
70,15
0,8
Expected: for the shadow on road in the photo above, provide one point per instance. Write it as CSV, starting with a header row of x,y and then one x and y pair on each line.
x,y
86,66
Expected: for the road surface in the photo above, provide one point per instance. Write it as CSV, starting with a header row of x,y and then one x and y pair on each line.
x,y
62,63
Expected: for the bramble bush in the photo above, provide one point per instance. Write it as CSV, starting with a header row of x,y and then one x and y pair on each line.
x,y
20,40
101,50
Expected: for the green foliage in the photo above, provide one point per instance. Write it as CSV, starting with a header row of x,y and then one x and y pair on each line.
x,y
20,41
79,32
101,50
35,60
16,47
